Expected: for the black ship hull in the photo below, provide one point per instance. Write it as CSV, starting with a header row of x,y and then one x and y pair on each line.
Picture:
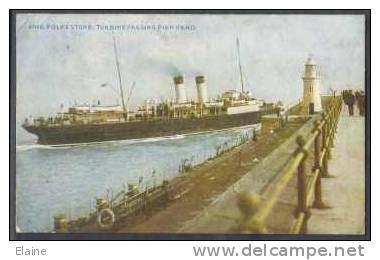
x,y
86,133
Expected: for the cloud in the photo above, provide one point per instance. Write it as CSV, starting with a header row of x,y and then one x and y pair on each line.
x,y
273,50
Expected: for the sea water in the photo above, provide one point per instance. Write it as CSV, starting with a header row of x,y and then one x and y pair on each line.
x,y
67,179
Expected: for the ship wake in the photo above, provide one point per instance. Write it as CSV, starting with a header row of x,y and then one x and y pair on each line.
x,y
26,147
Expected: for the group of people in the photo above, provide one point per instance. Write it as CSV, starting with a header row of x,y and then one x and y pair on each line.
x,y
350,98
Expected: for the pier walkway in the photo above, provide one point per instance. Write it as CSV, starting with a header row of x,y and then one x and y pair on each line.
x,y
345,193
341,188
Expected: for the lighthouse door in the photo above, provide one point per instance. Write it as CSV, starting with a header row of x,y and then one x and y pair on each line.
x,y
311,108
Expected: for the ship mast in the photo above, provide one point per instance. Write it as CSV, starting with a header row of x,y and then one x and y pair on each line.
x,y
240,69
125,112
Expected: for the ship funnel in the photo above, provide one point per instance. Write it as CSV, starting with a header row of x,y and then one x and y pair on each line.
x,y
201,89
180,91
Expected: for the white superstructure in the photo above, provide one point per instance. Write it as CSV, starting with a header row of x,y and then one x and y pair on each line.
x,y
252,107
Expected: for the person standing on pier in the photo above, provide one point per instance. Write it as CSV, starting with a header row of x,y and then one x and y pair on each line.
x,y
349,100
360,98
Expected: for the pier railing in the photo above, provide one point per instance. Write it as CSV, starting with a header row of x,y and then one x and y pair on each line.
x,y
310,164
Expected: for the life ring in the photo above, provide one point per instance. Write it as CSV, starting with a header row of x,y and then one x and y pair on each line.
x,y
105,219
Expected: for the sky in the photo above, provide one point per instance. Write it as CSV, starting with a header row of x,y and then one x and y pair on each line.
x,y
68,65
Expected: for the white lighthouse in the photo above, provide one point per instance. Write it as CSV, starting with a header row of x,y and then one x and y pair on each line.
x,y
311,83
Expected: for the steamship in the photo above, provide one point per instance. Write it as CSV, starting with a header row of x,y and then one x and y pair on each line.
x,y
98,123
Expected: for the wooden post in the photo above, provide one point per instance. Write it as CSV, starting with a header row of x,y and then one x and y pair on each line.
x,y
328,133
254,137
338,108
329,143
317,146
317,168
332,129
60,223
301,183
318,203
239,158
249,203
334,125
325,170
